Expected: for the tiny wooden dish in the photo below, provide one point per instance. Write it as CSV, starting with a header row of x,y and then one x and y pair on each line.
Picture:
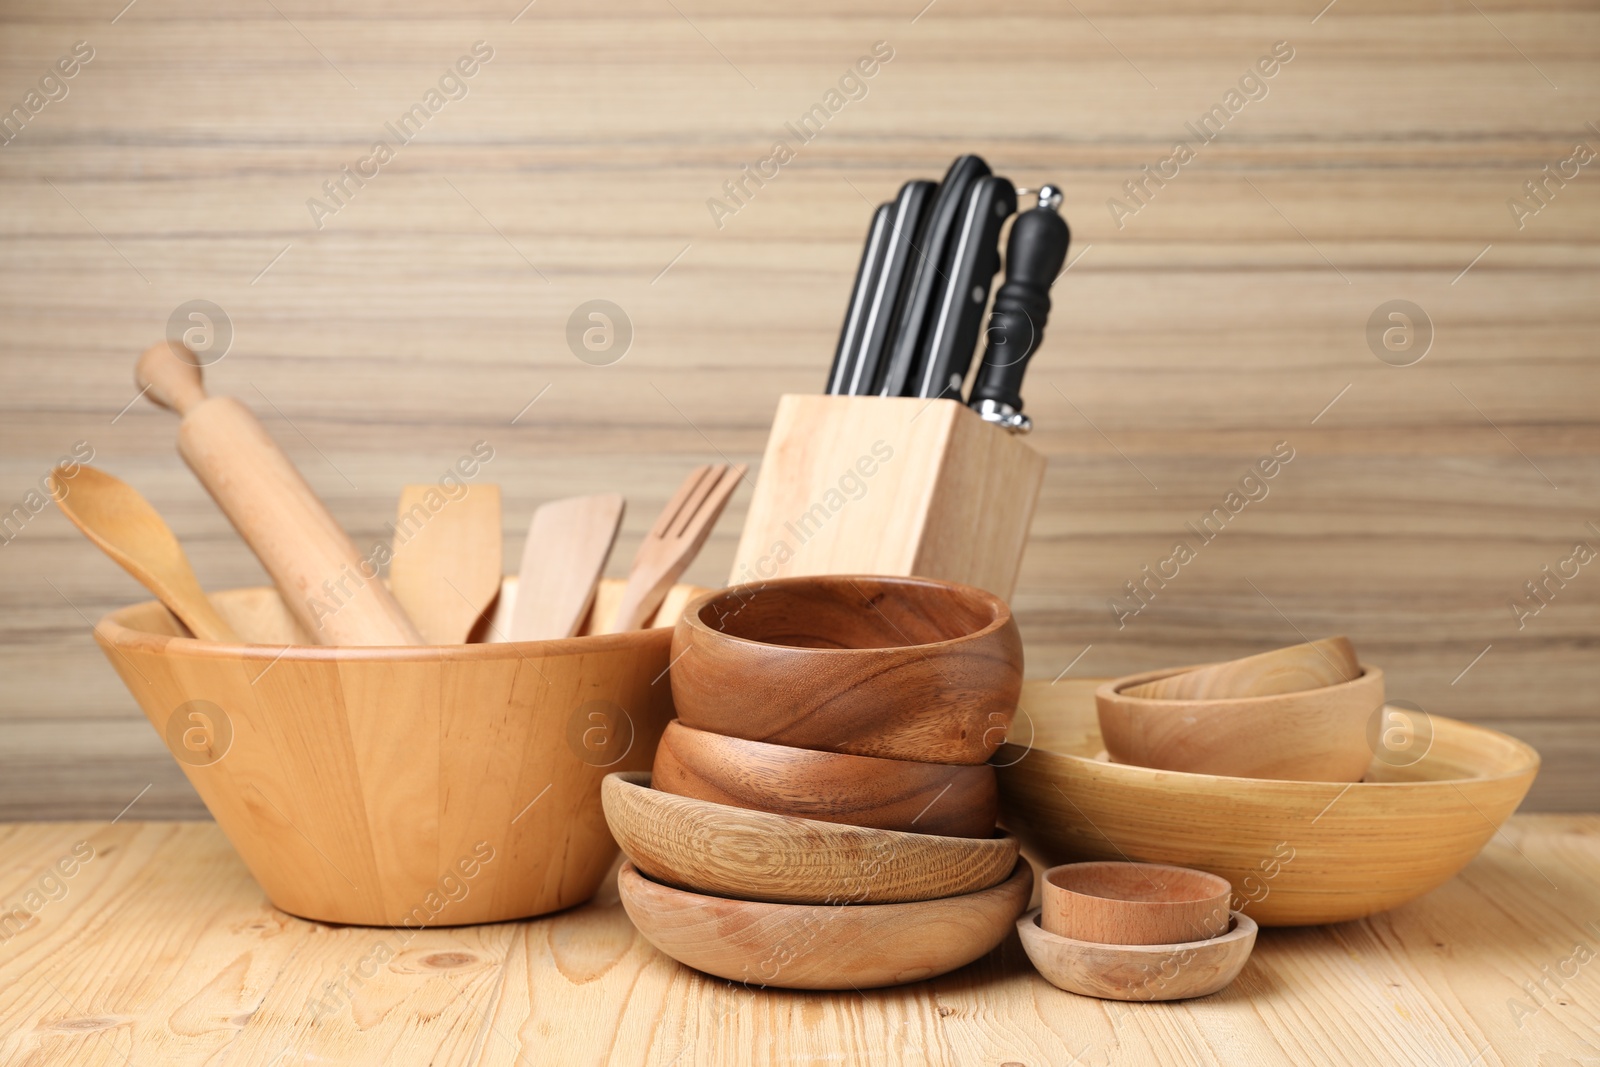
x,y
844,946
1295,669
1320,735
898,668
1139,972
1112,902
754,855
925,798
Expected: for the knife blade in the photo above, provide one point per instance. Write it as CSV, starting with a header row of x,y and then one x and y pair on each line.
x,y
968,273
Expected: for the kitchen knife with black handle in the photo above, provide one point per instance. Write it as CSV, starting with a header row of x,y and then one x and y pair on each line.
x,y
913,320
902,239
1034,254
873,253
968,272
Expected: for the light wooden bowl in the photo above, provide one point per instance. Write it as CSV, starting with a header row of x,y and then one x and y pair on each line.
x,y
1283,670
846,946
926,798
1112,902
401,786
1315,736
1139,972
753,855
899,668
1296,853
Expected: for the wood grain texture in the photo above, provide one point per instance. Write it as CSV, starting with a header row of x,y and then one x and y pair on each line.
x,y
1294,669
801,946
680,531
930,798
1181,347
1113,902
1153,972
755,855
448,572
563,557
1331,734
896,668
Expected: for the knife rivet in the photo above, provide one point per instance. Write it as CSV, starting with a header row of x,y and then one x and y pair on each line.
x,y
978,294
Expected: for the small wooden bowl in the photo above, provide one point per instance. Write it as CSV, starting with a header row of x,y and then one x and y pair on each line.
x,y
1138,972
1295,669
754,855
1315,736
1109,902
924,798
899,668
846,946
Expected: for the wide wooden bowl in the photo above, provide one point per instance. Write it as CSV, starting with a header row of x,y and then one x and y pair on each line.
x,y
899,668
1296,852
401,786
845,946
925,798
1139,972
1113,902
1320,735
754,855
1283,670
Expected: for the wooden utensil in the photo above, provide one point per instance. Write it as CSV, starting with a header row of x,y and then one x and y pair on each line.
x,y
899,668
928,798
324,581
1139,972
446,568
1319,735
562,560
1284,670
359,784
754,855
800,946
673,542
113,515
1297,853
1110,902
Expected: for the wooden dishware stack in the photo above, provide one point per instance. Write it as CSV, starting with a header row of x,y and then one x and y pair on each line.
x,y
827,776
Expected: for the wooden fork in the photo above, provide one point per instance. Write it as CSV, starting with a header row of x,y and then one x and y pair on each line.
x,y
674,541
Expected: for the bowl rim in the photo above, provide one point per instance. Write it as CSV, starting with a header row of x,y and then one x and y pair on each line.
x,y
1131,774
1241,927
882,764
1048,883
691,620
1112,691
114,630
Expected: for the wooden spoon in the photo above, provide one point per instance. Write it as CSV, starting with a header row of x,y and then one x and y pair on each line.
x,y
672,544
1295,669
446,569
113,515
562,560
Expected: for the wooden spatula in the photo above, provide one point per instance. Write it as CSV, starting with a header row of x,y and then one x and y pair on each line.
x,y
562,560
674,541
1294,669
446,568
113,515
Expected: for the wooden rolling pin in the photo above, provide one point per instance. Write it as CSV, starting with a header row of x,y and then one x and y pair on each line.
x,y
318,571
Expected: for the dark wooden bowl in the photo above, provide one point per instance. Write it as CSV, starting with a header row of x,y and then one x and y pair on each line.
x,y
928,798
899,668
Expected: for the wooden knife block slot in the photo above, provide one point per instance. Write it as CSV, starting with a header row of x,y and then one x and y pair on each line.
x,y
890,485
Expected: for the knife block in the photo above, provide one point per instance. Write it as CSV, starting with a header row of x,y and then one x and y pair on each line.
x,y
889,485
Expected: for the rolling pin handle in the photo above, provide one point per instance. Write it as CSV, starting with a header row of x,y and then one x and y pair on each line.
x,y
170,374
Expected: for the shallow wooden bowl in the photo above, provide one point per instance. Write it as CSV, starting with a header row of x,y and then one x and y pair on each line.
x,y
899,668
1139,972
926,798
1112,902
1296,853
754,855
426,786
1315,736
845,946
1283,670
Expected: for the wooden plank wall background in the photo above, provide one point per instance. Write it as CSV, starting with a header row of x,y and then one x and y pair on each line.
x,y
1228,313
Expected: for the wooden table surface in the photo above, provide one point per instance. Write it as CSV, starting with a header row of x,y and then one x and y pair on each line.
x,y
163,952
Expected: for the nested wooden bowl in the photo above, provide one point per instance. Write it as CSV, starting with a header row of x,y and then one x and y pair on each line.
x,y
927,798
845,946
1296,853
420,786
1139,972
1283,670
754,855
1113,902
899,668
1319,735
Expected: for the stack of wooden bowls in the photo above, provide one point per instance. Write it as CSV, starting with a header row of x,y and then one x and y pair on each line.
x,y
822,815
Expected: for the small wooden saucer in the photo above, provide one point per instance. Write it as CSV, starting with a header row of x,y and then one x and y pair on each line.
x,y
1138,972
